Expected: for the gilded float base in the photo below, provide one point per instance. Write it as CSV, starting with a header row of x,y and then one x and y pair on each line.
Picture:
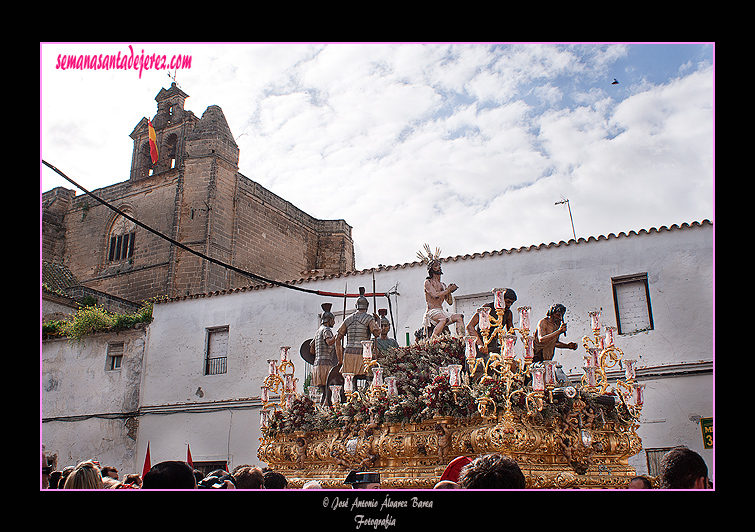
x,y
414,456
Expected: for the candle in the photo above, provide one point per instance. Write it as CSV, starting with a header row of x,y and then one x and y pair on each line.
x,y
483,314
390,382
454,375
529,348
335,393
470,351
284,352
524,318
348,382
377,377
629,371
367,350
595,320
508,345
610,331
271,368
538,378
498,298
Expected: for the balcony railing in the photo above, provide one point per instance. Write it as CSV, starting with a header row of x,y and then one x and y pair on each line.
x,y
215,366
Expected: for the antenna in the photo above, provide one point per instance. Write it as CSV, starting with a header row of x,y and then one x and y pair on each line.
x,y
570,216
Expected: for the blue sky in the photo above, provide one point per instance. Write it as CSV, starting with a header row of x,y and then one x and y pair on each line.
x,y
466,147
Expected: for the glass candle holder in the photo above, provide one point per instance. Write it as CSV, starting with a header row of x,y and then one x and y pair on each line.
x,y
470,348
508,345
629,370
593,357
265,394
610,336
392,389
595,320
367,350
454,375
538,378
638,394
290,401
591,376
272,369
529,348
524,318
348,382
335,393
284,352
498,298
550,372
264,417
289,382
377,377
483,314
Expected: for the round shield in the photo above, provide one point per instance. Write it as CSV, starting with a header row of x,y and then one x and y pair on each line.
x,y
304,352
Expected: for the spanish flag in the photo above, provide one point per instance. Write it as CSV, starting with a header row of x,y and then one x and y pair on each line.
x,y
152,142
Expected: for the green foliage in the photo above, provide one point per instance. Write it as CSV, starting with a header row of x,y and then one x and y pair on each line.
x,y
92,319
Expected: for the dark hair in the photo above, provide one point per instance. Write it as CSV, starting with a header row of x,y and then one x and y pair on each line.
x,y
272,480
249,478
680,468
558,307
645,481
171,474
492,471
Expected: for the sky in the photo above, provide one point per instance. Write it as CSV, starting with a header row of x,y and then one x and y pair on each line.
x,y
467,147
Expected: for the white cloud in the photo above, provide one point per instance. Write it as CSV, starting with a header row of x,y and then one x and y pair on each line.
x,y
417,143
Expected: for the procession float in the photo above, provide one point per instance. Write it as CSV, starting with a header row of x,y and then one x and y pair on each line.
x,y
443,397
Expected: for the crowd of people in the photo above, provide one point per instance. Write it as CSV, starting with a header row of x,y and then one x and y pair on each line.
x,y
681,468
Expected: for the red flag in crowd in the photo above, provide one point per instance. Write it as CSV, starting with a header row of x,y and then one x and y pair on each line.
x,y
188,456
147,462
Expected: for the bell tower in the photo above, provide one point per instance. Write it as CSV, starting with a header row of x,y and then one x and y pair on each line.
x,y
172,124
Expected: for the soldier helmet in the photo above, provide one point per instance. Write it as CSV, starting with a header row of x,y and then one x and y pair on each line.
x,y
326,313
383,319
362,301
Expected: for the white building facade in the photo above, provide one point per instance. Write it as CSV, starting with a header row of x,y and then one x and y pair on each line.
x,y
205,355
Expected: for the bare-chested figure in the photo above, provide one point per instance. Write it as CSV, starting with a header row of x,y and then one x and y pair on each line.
x,y
435,293
549,329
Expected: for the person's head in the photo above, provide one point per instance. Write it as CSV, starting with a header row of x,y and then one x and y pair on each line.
x,y
328,318
446,485
363,480
110,471
640,483
434,268
556,312
509,297
683,468
272,480
248,478
85,476
492,471
134,480
362,303
171,474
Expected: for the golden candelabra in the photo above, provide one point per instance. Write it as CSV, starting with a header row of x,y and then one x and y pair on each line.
x,y
280,380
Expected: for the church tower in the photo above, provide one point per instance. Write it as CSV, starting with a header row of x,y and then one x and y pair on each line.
x,y
172,124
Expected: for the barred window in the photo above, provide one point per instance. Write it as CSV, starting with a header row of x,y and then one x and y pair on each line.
x,y
216,349
122,239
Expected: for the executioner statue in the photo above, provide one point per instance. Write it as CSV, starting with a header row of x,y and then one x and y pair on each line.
x,y
358,327
323,348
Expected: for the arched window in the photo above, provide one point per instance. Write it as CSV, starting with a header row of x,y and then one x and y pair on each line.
x,y
122,239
